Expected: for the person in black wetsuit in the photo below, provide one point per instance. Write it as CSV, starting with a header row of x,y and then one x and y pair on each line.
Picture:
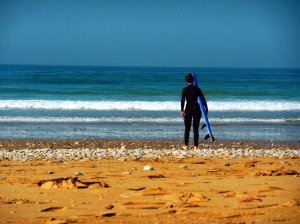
x,y
192,110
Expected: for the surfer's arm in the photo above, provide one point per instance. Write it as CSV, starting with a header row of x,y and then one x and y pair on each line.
x,y
182,100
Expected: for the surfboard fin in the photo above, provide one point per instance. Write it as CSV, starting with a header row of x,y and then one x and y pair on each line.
x,y
207,137
203,126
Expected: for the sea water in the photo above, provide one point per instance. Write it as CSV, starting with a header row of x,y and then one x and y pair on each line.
x,y
82,102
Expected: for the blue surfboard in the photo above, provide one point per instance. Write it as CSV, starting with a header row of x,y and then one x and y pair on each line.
x,y
204,114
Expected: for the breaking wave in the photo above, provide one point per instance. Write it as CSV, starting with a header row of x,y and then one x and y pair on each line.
x,y
148,105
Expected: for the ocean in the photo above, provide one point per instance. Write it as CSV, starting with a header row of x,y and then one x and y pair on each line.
x,y
90,102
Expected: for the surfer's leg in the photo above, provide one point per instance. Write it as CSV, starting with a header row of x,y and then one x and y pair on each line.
x,y
187,123
196,122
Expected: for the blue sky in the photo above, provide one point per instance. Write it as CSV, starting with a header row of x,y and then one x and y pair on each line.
x,y
253,33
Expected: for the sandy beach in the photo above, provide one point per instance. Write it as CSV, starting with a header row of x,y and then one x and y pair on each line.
x,y
171,187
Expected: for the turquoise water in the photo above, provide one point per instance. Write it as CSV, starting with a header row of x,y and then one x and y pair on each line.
x,y
73,102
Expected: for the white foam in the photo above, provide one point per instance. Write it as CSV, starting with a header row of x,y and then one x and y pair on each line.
x,y
148,106
88,105
254,106
21,119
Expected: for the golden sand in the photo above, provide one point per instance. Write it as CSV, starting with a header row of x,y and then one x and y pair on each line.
x,y
189,190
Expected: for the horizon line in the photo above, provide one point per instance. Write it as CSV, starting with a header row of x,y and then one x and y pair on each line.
x,y
150,66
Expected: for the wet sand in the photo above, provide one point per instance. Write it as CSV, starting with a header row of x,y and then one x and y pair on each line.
x,y
177,190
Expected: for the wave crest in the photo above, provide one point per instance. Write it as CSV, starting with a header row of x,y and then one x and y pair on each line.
x,y
148,106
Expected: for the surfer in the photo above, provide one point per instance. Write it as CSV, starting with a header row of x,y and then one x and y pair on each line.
x,y
192,110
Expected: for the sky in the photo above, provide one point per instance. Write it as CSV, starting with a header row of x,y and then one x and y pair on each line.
x,y
163,33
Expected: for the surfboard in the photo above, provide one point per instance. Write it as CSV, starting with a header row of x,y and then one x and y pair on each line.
x,y
204,114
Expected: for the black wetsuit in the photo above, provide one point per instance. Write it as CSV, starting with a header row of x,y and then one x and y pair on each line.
x,y
192,111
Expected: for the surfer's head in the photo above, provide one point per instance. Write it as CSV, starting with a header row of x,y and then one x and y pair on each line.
x,y
189,78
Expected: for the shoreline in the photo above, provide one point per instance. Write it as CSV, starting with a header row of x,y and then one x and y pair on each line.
x,y
16,144
67,150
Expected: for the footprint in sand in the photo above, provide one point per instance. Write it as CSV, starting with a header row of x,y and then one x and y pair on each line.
x,y
70,183
52,209
226,193
144,205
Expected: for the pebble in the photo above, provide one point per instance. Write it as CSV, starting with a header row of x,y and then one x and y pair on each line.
x,y
183,166
78,174
64,155
148,168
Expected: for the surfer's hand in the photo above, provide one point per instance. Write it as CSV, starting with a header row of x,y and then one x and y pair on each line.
x,y
182,113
